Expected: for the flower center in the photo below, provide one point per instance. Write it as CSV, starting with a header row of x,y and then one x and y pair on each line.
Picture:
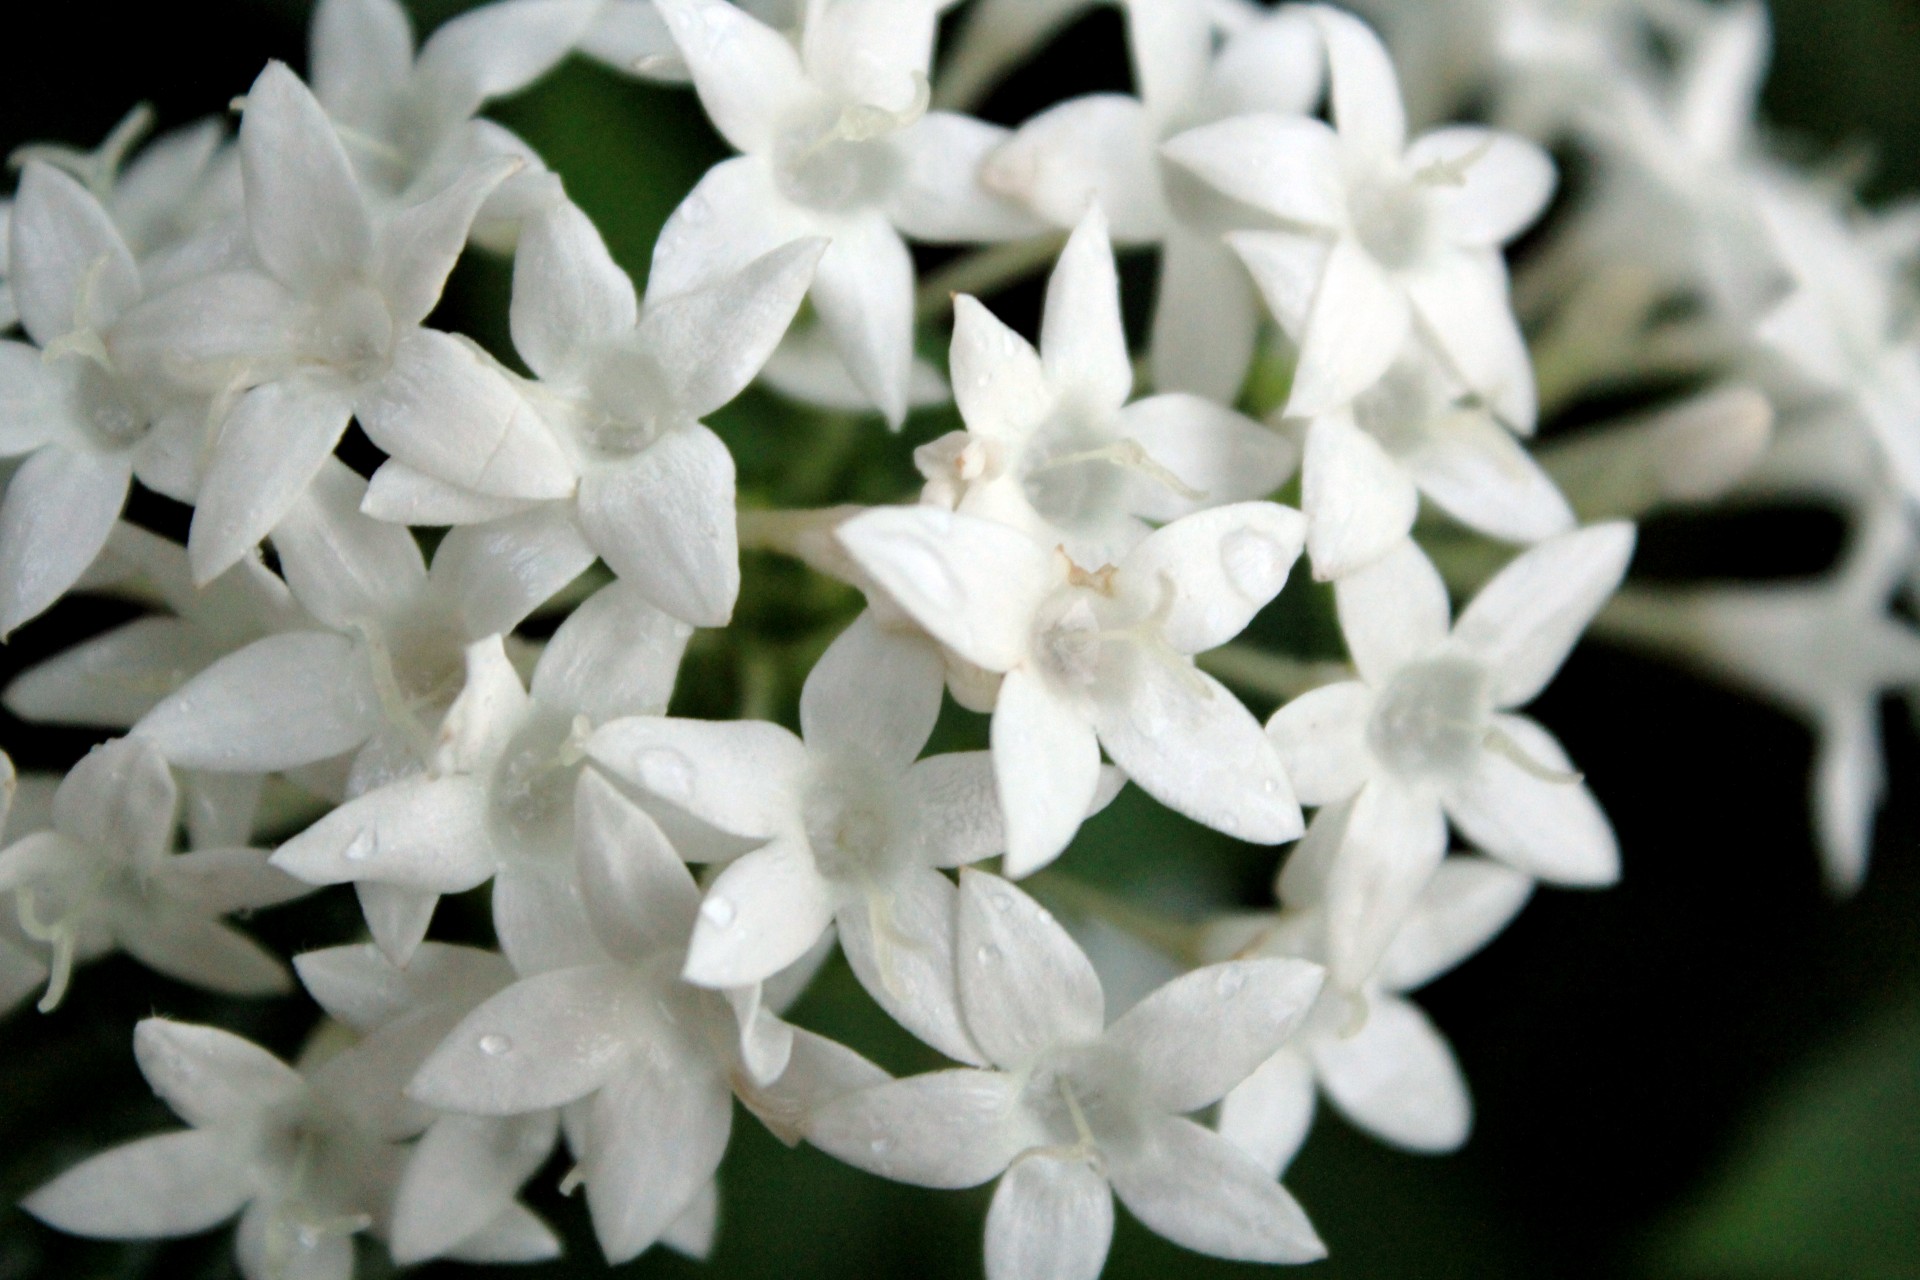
x,y
853,825
533,784
626,407
836,158
1394,221
1432,719
353,331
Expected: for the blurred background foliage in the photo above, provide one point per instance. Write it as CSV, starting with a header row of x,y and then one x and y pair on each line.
x,y
1712,1071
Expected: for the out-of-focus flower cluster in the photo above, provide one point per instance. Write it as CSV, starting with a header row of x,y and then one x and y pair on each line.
x,y
205,315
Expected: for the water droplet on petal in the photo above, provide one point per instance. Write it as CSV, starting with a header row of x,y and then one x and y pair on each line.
x,y
307,1237
1254,563
717,911
495,1045
1269,787
1230,981
988,955
880,1146
1002,901
365,843
664,771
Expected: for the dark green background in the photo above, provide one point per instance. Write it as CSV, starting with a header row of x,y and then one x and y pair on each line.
x,y
1710,1071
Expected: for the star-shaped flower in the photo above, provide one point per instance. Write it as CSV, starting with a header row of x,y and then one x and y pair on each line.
x,y
1102,657
1427,734
1381,235
1076,1111
1052,444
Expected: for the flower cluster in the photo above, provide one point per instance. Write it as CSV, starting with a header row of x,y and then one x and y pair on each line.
x,y
206,316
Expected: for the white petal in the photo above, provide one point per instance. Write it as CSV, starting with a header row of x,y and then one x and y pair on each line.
x,y
1394,839
1475,470
1504,186
1206,320
270,1247
443,411
1211,572
763,913
900,945
1273,64
874,695
173,1184
1046,766
863,291
498,572
939,196
1082,342
212,1077
64,249
400,494
542,1042
1024,984
866,51
1097,149
540,918
496,50
1321,738
59,508
227,880
304,211
743,777
203,953
972,583
1051,1219
1462,301
1268,1115
113,679
422,833
1203,1033
1356,328
1467,902
514,1235
568,293
345,568
736,213
269,449
1849,778
955,807
1392,612
999,384
1171,42
1288,166
398,917
462,1174
1396,1078
616,655
35,401
1365,91
120,798
1551,828
1199,1190
283,701
664,521
360,54
209,329
1287,269
638,893
1190,744
748,75
948,1129
659,1130
819,1072
1523,623
420,244
710,342
1360,502
692,1234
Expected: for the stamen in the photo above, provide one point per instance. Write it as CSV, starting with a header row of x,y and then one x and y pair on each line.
x,y
97,169
84,340
1501,744
863,122
1128,455
58,934
575,1179
1453,173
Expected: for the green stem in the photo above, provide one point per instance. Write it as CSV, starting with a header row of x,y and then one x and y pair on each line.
x,y
984,271
1273,674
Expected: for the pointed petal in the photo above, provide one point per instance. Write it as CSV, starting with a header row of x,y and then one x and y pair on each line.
x,y
1360,502
1268,1114
1393,843
664,520
360,54
747,74
1468,901
120,798
172,1184
1082,342
938,197
1505,183
659,1130
863,291
874,696
221,881
420,244
1551,828
1046,766
64,249
500,571
1093,149
1849,778
112,680
1288,166
1356,328
736,213
1397,1079
1024,984
956,809
1051,1219
1199,1190
426,834
212,1077
1365,92
947,1129
999,383
763,913
616,655
743,777
1211,572
305,214
59,508
638,893
344,567
1206,322
462,1174
1523,623
1464,310
496,50
900,945
568,293
1392,612
400,494
1474,470
1321,738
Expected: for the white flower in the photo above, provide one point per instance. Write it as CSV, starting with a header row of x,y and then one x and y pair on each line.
x,y
1383,235
21,972
1417,432
643,1060
383,659
1373,1052
621,391
1077,1111
1053,447
1825,652
838,143
1101,657
1427,734
854,830
324,328
455,1197
264,1141
495,799
105,877
83,428
1105,149
1688,454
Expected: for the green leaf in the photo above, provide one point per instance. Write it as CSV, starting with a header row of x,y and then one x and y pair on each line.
x,y
1828,1184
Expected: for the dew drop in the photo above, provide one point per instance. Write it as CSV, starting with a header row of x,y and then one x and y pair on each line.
x,y
880,1146
988,955
1254,563
1230,981
364,845
1269,787
308,1237
1002,902
717,911
664,771
495,1045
